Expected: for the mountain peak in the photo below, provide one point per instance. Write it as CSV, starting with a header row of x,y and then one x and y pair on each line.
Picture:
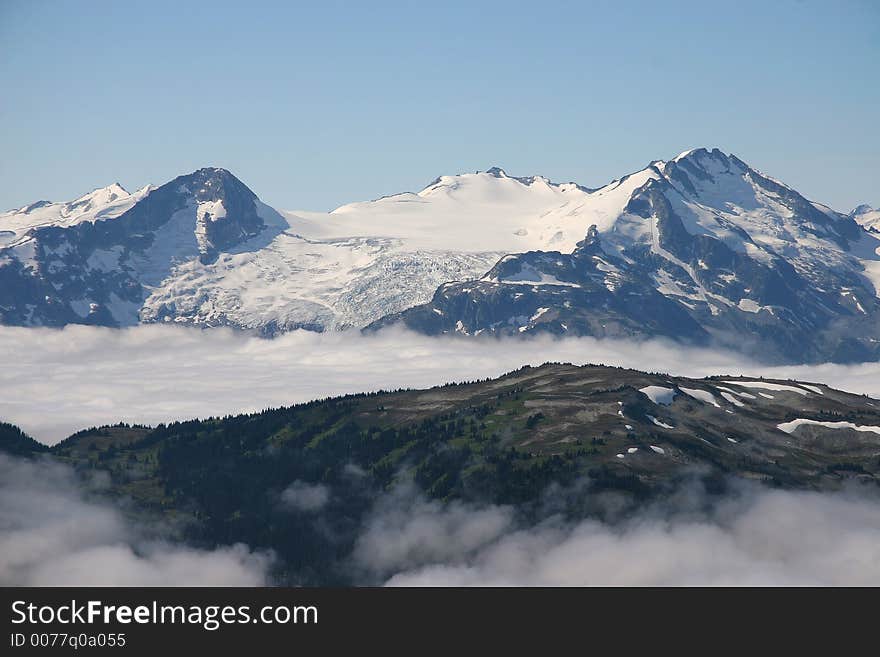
x,y
27,209
212,171
218,174
210,183
701,154
113,188
688,153
109,190
867,217
454,181
99,197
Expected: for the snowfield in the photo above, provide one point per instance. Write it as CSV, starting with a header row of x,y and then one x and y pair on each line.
x,y
471,212
789,427
104,203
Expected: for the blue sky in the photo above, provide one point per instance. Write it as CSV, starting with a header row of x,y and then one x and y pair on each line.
x,y
314,104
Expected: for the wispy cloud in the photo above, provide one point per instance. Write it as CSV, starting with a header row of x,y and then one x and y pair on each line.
x,y
52,535
302,496
55,382
755,536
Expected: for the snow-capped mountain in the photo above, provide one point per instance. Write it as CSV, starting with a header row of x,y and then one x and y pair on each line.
x,y
867,216
699,248
204,250
104,203
360,262
743,259
95,260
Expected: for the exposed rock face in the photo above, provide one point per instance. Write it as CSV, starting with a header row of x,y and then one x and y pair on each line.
x,y
97,267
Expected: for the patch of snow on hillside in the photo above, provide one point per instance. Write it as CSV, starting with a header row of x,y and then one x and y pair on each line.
x,y
538,314
701,395
733,400
764,385
749,306
659,394
789,427
660,423
740,393
528,275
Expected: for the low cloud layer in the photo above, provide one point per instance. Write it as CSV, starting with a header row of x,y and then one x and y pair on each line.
x,y
51,535
755,537
55,382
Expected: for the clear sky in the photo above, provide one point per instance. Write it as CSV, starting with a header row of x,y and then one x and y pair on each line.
x,y
317,104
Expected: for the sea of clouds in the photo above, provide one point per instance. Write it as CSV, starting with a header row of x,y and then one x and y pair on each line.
x,y
57,381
